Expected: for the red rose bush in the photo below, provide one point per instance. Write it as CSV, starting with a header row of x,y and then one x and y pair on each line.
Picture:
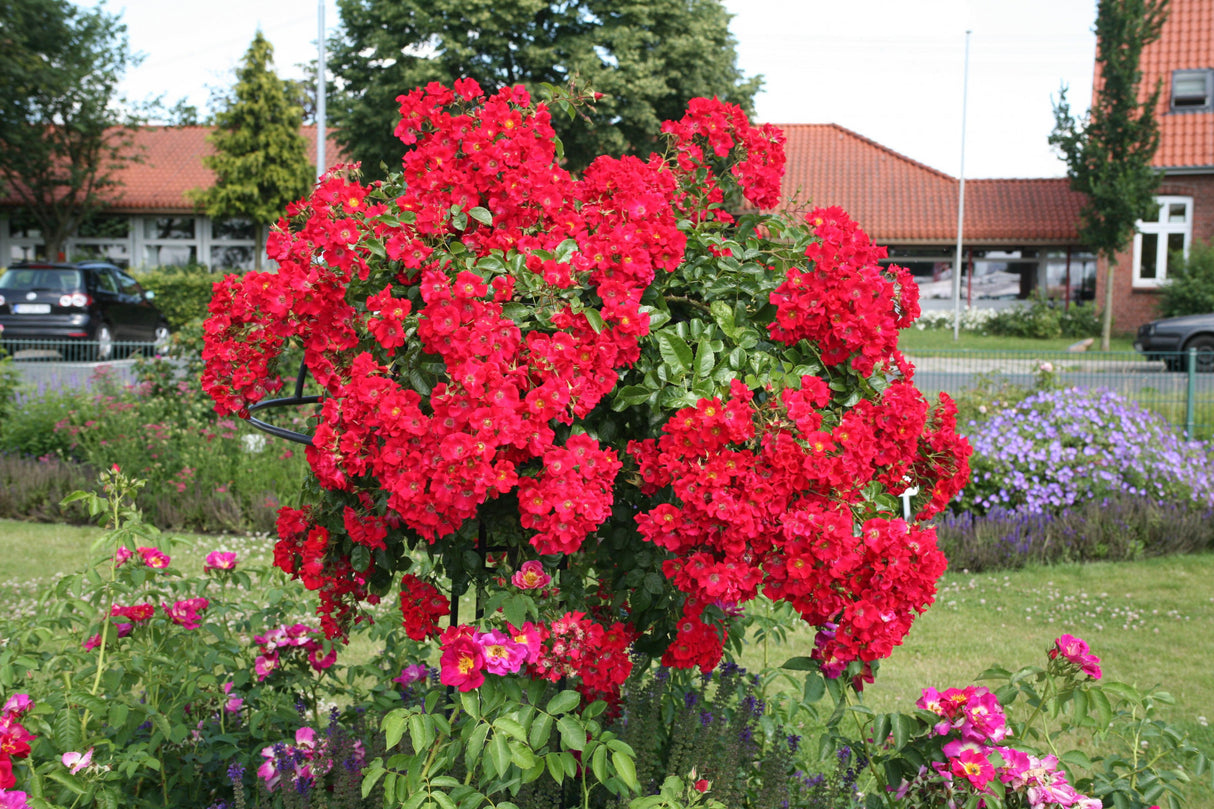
x,y
612,408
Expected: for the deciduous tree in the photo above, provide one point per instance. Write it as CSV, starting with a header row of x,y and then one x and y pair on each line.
x,y
63,130
260,161
1109,154
647,57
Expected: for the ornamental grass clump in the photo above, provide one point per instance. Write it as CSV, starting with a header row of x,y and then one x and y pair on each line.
x,y
1057,449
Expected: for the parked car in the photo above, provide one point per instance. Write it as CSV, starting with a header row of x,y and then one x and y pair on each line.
x,y
88,309
1170,338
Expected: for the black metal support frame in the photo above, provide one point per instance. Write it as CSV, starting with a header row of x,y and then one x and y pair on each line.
x,y
295,400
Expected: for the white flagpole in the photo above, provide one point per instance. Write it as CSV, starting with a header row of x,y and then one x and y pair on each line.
x,y
961,199
320,89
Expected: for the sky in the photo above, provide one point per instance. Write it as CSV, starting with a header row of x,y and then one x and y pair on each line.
x,y
893,71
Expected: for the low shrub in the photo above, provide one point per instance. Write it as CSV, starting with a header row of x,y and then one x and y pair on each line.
x,y
1058,448
205,474
144,685
1189,289
1120,527
33,488
1042,319
10,381
182,293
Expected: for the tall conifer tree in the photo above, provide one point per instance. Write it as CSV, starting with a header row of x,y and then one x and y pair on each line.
x,y
1109,155
261,161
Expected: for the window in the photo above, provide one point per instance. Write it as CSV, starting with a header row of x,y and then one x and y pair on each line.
x,y
1192,90
168,227
227,230
170,241
1157,239
232,258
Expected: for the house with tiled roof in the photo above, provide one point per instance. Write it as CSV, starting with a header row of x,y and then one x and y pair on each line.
x,y
1020,237
1182,61
151,220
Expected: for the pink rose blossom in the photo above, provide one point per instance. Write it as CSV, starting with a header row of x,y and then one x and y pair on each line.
x,y
75,762
462,663
530,576
13,799
154,558
1076,651
220,560
18,705
412,674
502,654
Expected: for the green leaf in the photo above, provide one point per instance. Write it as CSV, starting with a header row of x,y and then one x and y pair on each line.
x,y
902,725
722,313
394,727
481,215
799,664
598,762
421,732
541,729
511,728
595,319
521,755
555,768
675,352
564,251
563,702
705,359
625,769
515,610
471,703
474,745
815,687
573,735
499,753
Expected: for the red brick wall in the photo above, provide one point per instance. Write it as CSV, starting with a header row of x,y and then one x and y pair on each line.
x,y
1133,307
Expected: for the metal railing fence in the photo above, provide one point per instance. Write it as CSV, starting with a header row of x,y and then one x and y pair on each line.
x,y
1185,397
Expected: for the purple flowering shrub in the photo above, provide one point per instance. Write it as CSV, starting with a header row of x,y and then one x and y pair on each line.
x,y
1059,448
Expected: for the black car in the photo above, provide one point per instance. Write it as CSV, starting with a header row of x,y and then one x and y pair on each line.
x,y
90,303
1171,338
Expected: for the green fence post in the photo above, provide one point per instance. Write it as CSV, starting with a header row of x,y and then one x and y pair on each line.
x,y
1191,394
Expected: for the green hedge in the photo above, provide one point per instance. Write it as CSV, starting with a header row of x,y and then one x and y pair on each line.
x,y
182,293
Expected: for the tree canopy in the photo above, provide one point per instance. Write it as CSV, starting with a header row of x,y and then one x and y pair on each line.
x,y
260,161
1109,155
647,58
63,132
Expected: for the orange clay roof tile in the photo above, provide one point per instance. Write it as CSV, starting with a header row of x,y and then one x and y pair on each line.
x,y
898,200
1186,42
170,165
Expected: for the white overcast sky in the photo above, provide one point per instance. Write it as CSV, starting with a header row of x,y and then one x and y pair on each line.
x,y
891,70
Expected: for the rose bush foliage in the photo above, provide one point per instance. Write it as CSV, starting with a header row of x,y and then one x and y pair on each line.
x,y
669,409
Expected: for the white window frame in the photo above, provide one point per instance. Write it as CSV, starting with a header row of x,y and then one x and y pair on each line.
x,y
1207,76
1162,229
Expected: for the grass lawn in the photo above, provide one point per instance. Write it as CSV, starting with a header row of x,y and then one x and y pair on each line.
x,y
1151,622
913,339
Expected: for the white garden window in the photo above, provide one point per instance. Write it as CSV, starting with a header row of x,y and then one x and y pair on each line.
x,y
1157,239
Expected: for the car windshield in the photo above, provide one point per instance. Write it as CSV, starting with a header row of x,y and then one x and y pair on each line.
x,y
55,279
